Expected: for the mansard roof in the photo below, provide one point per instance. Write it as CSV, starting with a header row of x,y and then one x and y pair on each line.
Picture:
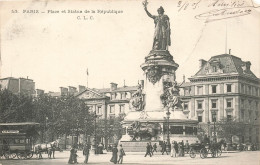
x,y
226,65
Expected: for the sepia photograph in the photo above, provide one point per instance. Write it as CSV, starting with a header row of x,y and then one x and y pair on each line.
x,y
173,82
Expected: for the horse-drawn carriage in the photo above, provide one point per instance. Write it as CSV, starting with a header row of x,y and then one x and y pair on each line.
x,y
204,150
16,140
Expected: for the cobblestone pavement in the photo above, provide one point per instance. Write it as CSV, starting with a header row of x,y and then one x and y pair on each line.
x,y
239,158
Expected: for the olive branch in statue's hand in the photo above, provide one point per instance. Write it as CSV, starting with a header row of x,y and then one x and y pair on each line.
x,y
145,3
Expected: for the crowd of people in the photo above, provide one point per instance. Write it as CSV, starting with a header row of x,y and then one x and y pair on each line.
x,y
175,149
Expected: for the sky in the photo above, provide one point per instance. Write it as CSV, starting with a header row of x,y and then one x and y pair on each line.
x,y
56,49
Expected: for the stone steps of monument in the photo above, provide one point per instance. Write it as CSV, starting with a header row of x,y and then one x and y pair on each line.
x,y
130,146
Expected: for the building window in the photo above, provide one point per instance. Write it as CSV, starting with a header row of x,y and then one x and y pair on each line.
x,y
121,108
187,91
242,103
249,115
213,103
249,90
214,68
199,90
228,87
242,88
229,116
99,110
112,109
214,88
250,104
214,116
186,105
199,105
242,115
200,118
229,103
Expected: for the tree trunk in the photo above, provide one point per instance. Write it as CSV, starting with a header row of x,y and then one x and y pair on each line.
x,y
65,141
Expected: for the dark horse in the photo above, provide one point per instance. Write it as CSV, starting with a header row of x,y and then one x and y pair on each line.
x,y
48,148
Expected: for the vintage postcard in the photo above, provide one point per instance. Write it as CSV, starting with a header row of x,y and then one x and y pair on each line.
x,y
177,80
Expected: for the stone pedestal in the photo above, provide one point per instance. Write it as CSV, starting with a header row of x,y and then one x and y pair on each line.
x,y
159,68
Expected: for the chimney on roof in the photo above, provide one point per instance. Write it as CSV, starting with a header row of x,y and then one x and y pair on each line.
x,y
248,65
39,92
113,86
72,90
63,91
183,78
81,88
229,51
202,63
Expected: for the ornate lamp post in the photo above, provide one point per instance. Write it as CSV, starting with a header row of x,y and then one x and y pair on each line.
x,y
168,130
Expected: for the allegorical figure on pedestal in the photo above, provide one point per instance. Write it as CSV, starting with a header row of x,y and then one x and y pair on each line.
x,y
171,97
137,101
161,39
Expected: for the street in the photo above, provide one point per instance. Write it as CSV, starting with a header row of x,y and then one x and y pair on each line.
x,y
238,158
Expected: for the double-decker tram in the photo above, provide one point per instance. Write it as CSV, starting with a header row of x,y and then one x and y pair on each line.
x,y
16,139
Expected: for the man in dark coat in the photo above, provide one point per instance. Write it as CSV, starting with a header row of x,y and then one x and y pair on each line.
x,y
164,148
154,147
86,152
148,150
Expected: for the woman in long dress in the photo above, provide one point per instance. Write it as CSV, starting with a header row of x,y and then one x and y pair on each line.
x,y
173,152
114,154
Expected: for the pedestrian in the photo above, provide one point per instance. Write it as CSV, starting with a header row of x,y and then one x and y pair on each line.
x,y
86,152
179,149
121,154
148,150
72,155
173,152
164,148
151,148
182,148
187,146
114,154
176,148
155,147
75,156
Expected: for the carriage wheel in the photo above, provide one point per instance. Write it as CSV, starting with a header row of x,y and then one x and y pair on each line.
x,y
219,152
214,153
192,153
21,155
203,153
7,154
29,155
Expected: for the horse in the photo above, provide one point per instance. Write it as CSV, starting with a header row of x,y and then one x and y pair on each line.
x,y
48,148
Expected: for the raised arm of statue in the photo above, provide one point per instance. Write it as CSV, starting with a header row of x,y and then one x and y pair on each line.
x,y
145,9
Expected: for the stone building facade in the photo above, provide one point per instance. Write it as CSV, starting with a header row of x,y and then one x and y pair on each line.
x,y
224,88
18,85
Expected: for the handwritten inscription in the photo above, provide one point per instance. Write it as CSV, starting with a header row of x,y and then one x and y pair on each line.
x,y
215,15
219,9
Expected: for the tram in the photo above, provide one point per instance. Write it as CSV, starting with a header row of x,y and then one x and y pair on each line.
x,y
16,139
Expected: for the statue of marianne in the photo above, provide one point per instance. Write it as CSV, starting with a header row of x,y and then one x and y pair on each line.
x,y
161,39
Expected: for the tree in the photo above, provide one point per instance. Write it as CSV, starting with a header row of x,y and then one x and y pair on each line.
x,y
15,108
227,128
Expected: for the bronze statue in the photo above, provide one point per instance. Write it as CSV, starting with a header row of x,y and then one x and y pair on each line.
x,y
171,98
137,101
161,39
